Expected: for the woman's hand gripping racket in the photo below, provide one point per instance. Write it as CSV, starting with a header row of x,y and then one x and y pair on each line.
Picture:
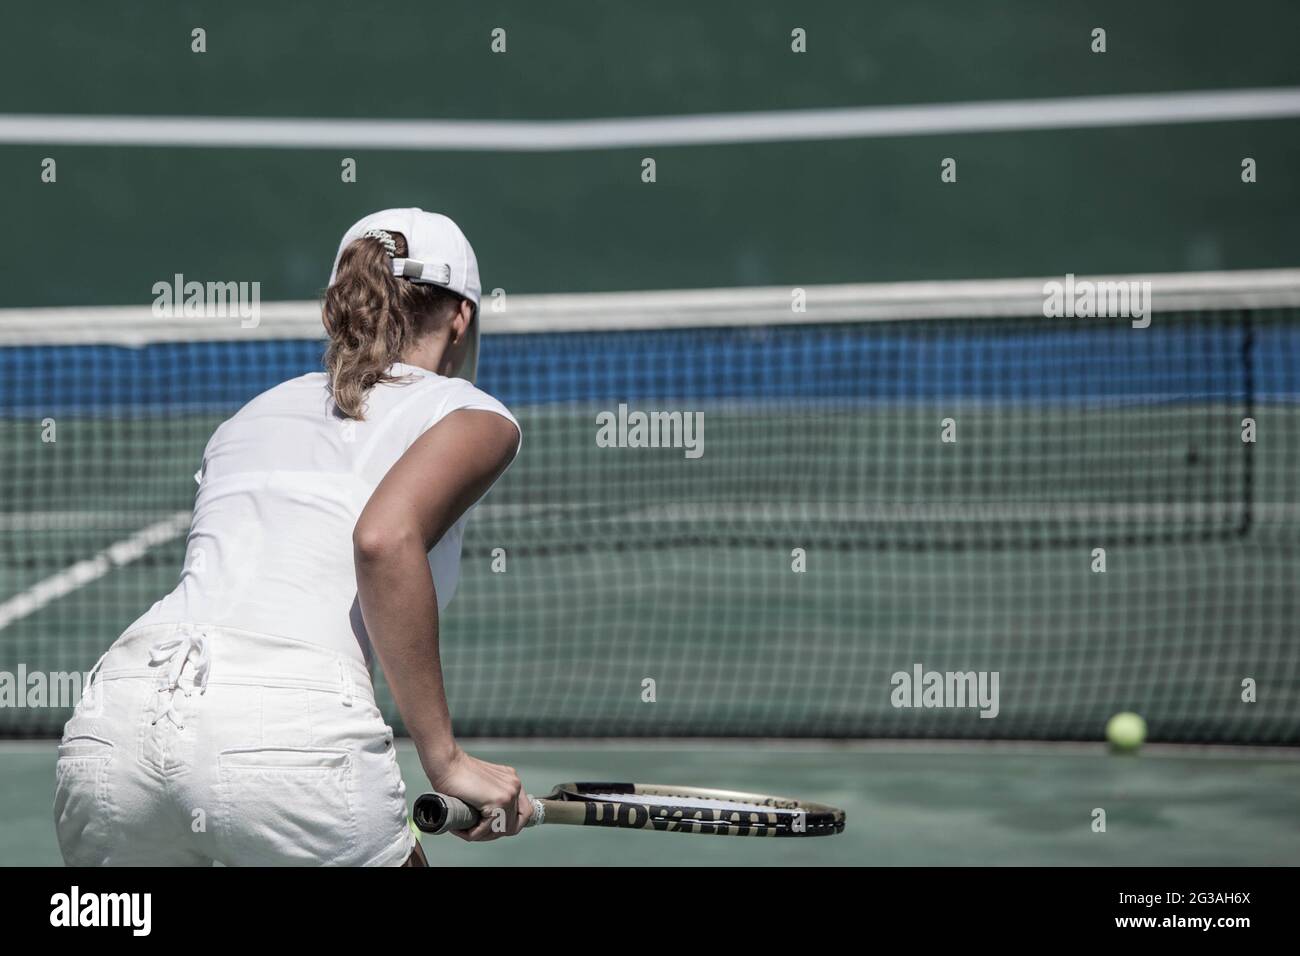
x,y
642,806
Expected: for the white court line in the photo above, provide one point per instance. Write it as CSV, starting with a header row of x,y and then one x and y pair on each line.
x,y
1127,109
75,576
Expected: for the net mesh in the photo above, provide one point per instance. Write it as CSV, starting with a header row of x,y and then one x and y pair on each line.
x,y
891,490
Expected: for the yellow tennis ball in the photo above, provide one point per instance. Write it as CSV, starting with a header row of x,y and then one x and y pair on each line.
x,y
414,829
1126,732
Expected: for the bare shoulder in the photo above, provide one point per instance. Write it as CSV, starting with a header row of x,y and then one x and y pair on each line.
x,y
496,435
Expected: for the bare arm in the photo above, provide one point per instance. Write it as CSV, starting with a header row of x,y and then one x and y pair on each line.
x,y
444,472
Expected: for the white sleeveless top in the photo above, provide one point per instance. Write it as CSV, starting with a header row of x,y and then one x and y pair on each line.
x,y
282,485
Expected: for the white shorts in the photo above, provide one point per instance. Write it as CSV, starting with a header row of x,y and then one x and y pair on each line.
x,y
200,744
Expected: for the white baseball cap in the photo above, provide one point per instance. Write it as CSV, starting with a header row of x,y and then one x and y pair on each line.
x,y
437,253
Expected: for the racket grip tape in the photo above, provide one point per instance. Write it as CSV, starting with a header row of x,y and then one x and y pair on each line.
x,y
439,813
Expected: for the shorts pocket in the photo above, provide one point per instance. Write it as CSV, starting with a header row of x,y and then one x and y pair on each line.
x,y
382,829
282,806
83,810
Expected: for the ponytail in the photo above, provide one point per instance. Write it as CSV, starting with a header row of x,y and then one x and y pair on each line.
x,y
372,317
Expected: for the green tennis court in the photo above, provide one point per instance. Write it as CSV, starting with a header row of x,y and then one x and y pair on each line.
x,y
917,804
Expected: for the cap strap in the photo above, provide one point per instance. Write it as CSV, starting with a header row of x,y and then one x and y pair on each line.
x,y
434,273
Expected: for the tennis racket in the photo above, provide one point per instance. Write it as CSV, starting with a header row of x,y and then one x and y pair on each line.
x,y
643,806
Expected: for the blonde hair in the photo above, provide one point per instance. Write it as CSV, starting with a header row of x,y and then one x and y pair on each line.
x,y
372,316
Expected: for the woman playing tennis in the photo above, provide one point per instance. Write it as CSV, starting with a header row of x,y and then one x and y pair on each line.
x,y
235,721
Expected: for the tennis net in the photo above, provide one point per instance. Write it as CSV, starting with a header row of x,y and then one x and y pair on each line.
x,y
746,511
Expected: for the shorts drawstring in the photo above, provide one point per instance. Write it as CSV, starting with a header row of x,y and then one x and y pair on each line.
x,y
178,650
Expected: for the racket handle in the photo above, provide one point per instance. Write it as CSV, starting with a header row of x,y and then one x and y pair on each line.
x,y
439,813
